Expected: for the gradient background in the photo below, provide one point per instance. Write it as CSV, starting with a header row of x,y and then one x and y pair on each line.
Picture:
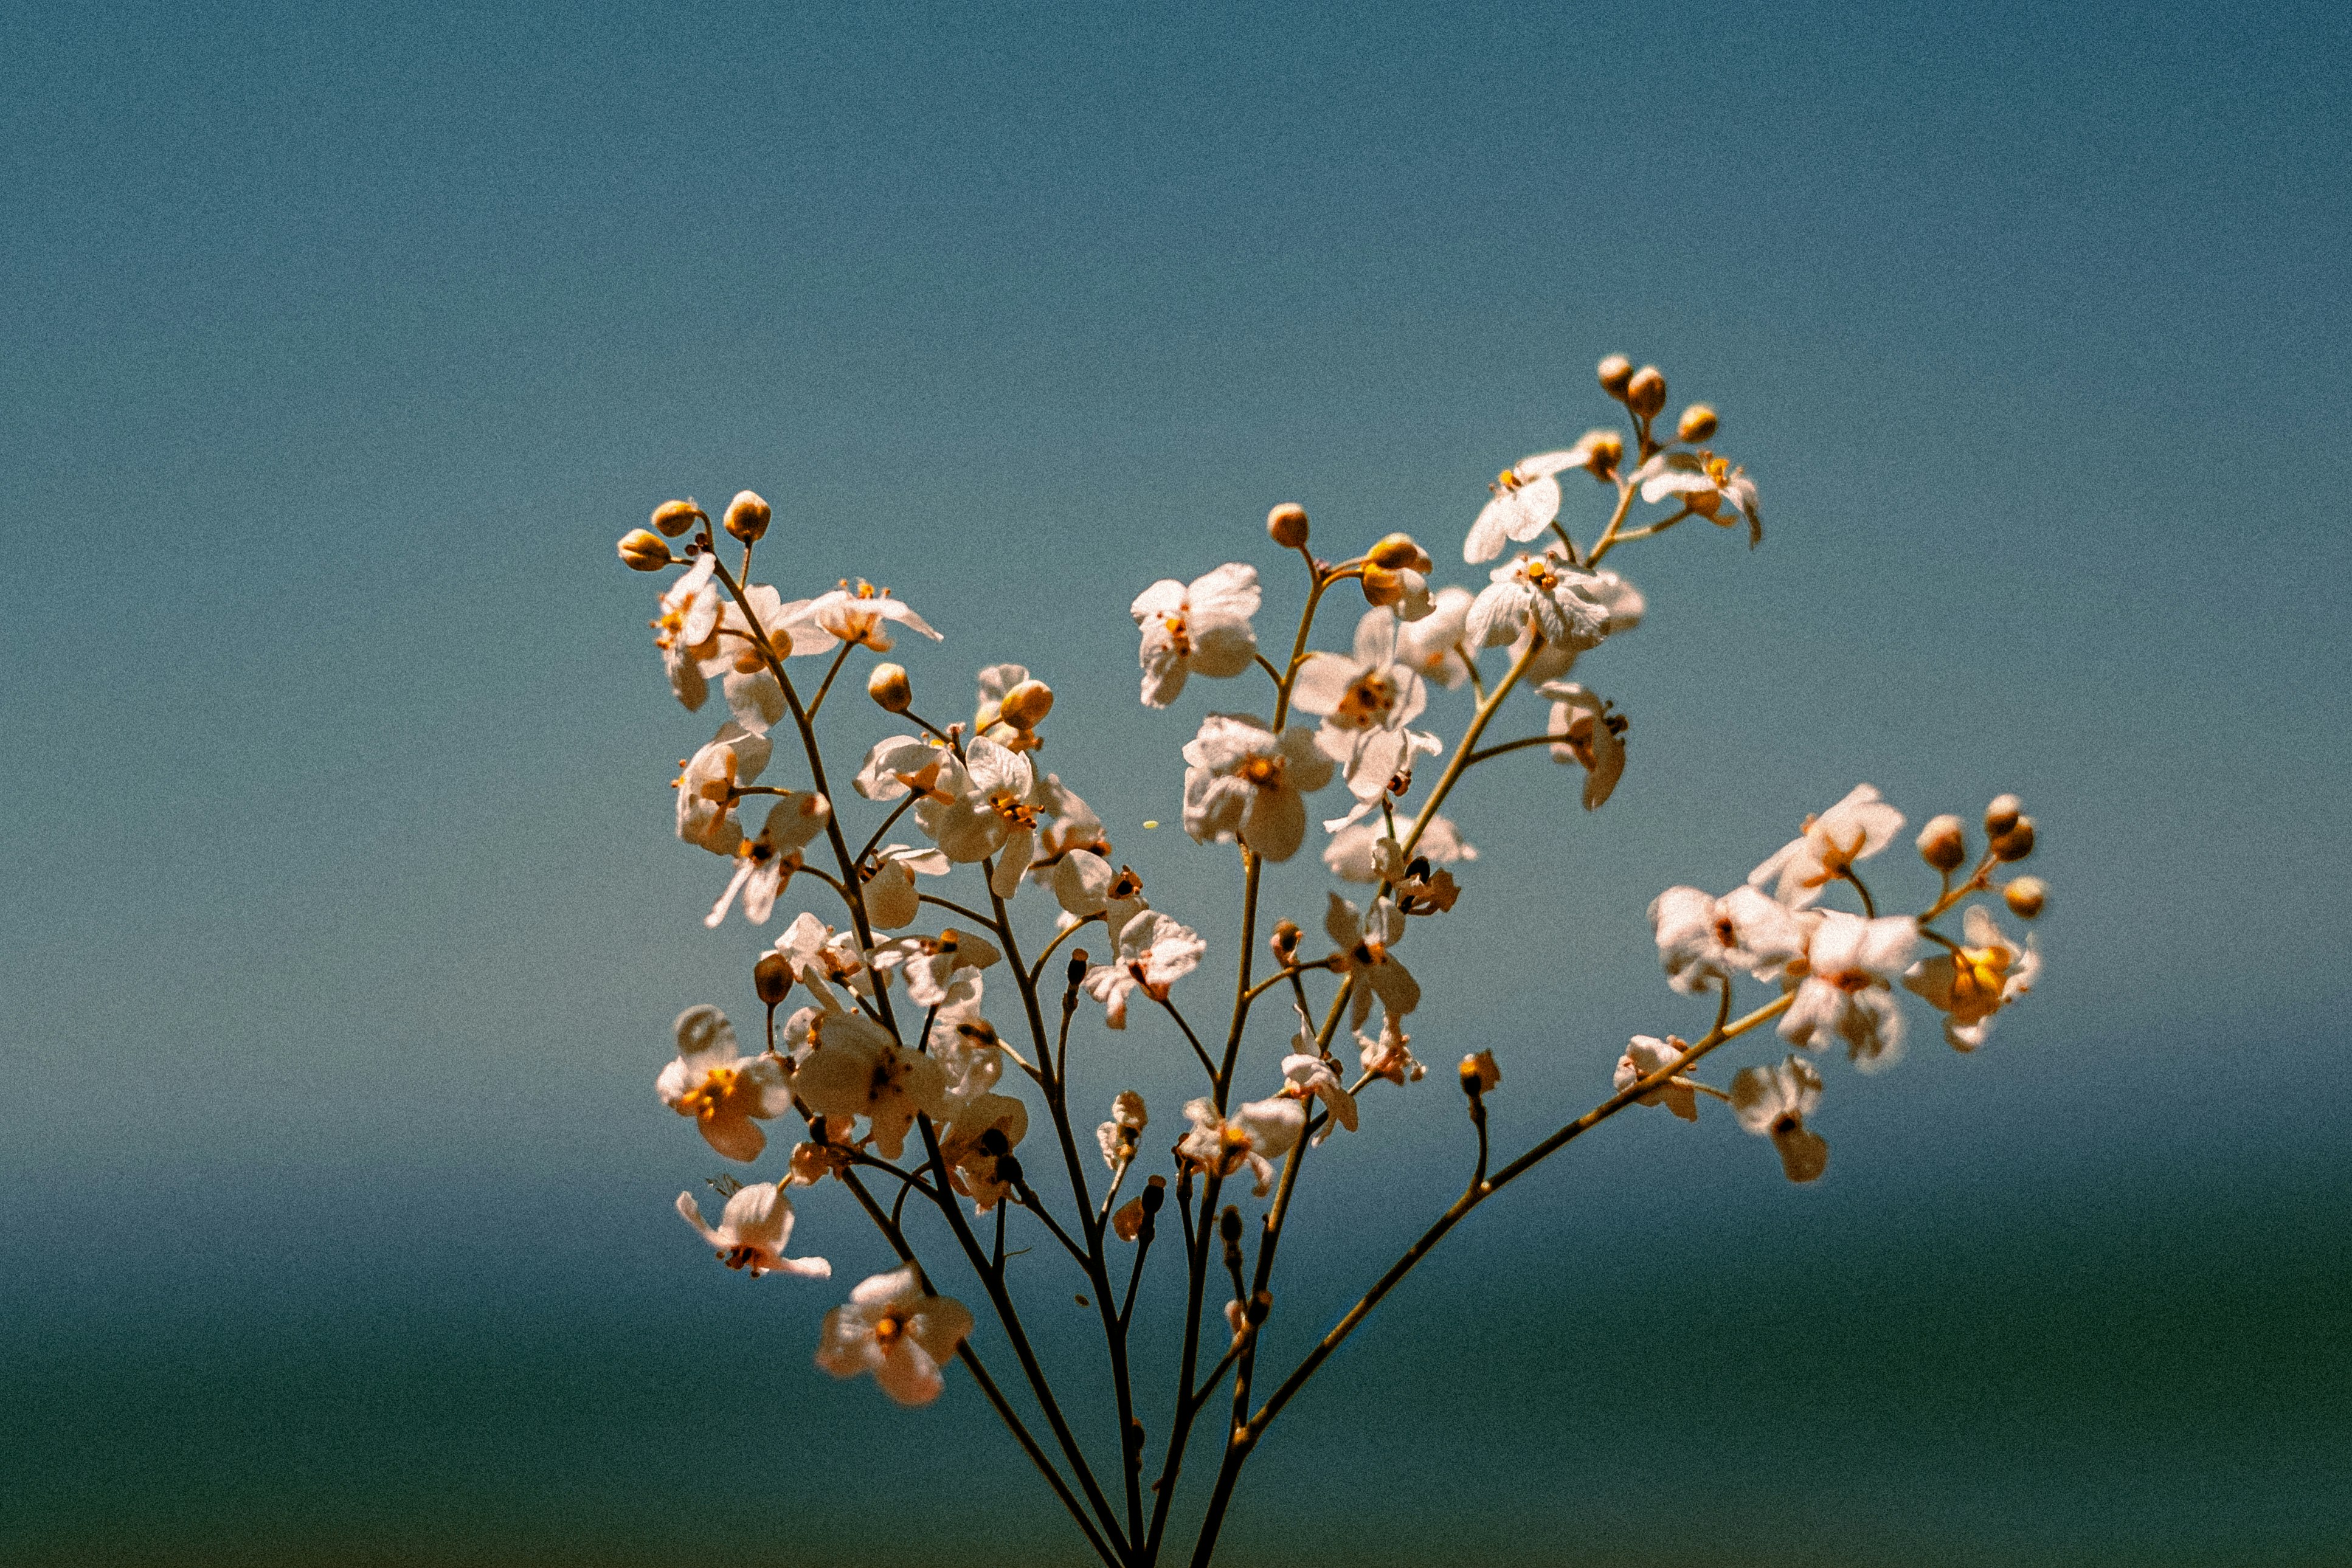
x,y
345,925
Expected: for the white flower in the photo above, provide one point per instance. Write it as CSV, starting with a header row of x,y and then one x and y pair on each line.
x,y
892,1329
965,1044
1703,938
1851,965
686,632
863,614
1243,781
706,786
1856,828
1204,628
1773,1102
1154,952
971,1155
1649,1054
1431,647
1086,886
785,623
765,861
1362,851
714,1082
900,763
854,1068
1708,484
1260,1133
752,1232
1543,593
1625,606
1119,1136
810,945
1527,496
931,963
992,807
1389,1056
1074,826
1365,703
1361,946
1984,976
1591,733
889,893
1309,1077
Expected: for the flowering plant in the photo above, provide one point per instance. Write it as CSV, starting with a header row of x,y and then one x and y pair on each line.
x,y
893,1067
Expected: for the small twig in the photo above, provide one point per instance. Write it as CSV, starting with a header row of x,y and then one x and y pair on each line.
x,y
825,686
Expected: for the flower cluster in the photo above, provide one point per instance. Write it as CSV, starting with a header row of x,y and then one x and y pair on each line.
x,y
920,1008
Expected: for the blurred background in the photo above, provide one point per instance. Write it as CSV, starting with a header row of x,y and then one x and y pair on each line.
x,y
347,923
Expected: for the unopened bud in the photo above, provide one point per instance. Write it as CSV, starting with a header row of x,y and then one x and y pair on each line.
x,y
1382,587
771,976
2001,815
1398,552
1229,1226
643,550
1077,970
747,516
1603,453
1616,372
1645,395
675,517
1943,842
890,688
1287,526
1008,1169
1285,936
2015,844
1154,1194
2025,896
1479,1073
1026,705
1697,423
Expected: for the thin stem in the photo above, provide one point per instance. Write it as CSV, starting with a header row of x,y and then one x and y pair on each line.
x,y
969,913
1038,968
1189,1038
1029,1200
1484,752
887,823
1869,904
1625,491
825,686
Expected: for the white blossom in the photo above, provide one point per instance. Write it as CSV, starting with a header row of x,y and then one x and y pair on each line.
x,y
1702,939
752,1232
810,944
1154,952
1243,781
1856,828
931,963
1708,484
686,631
723,1090
900,763
1772,1102
1361,943
1255,1135
1851,965
854,1068
1591,733
1074,825
1969,988
1117,1136
1432,647
1649,1054
1307,1076
1363,851
706,783
895,1330
1203,629
1365,704
765,861
1390,1055
991,805
965,1145
889,895
1086,886
863,614
1544,594
1526,496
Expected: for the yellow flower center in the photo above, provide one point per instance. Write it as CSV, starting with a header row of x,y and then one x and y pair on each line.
x,y
715,1095
889,1328
1367,702
1507,481
1265,772
1540,574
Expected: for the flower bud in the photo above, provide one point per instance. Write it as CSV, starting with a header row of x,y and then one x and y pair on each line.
x,y
771,976
1382,587
2001,815
1606,451
2025,896
1697,424
1229,1225
1943,842
1479,1073
1645,395
890,688
643,550
1616,372
1398,552
1077,970
1008,1169
1154,1194
1285,938
747,516
2015,844
1026,705
1287,526
675,517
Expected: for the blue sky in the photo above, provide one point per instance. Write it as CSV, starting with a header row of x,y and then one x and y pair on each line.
x,y
340,344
